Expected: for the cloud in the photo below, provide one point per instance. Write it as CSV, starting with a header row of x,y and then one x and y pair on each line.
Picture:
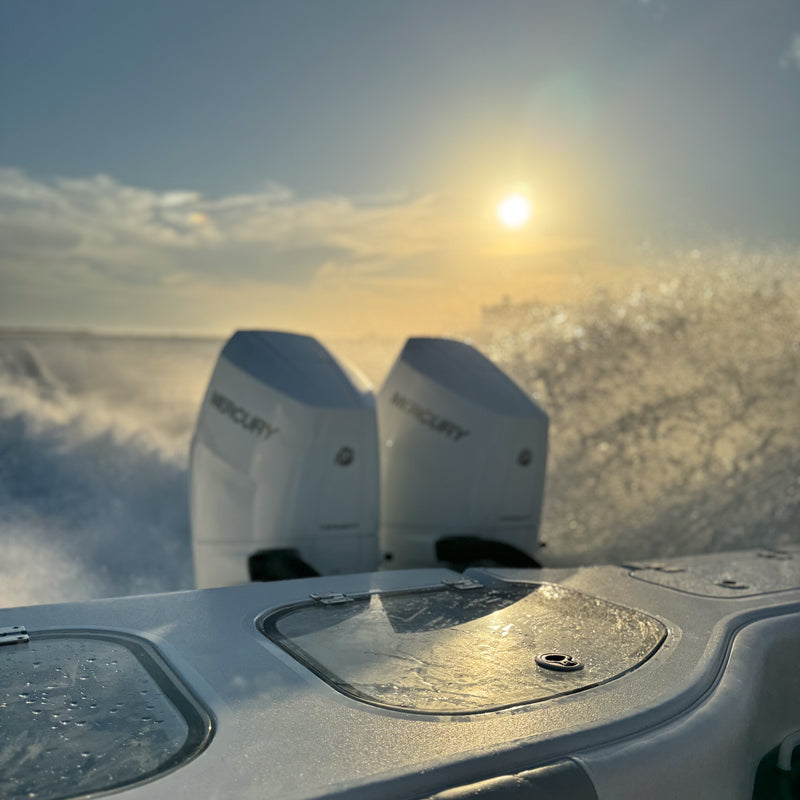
x,y
99,253
791,58
65,227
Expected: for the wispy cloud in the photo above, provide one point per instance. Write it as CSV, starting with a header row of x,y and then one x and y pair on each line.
x,y
791,58
140,235
100,253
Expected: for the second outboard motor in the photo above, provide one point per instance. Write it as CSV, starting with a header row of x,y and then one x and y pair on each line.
x,y
463,453
284,465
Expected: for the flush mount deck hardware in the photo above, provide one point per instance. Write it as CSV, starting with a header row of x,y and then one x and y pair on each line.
x,y
14,635
331,599
560,662
656,567
731,583
462,584
778,555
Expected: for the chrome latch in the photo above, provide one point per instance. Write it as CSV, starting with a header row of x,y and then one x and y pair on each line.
x,y
14,635
331,599
462,584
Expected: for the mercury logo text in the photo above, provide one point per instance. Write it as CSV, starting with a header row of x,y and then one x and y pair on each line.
x,y
429,418
241,416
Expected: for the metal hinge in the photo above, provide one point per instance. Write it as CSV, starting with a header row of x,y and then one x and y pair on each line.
x,y
331,599
462,584
656,567
778,555
729,582
14,635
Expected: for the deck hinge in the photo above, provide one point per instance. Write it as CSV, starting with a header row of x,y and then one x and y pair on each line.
x,y
656,567
332,598
731,583
778,555
462,584
14,635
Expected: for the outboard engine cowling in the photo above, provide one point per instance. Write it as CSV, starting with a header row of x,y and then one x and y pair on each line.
x,y
463,453
284,465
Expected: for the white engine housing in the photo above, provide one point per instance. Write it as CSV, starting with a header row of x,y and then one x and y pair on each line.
x,y
463,453
285,456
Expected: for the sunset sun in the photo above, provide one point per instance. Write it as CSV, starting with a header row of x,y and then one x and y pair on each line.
x,y
514,211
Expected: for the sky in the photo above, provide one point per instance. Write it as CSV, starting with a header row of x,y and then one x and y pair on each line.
x,y
335,166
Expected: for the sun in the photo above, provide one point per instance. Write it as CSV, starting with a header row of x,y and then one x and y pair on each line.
x,y
514,211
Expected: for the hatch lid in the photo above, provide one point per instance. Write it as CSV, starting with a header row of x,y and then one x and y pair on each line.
x,y
448,651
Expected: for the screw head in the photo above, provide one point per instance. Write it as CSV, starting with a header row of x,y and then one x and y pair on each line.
x,y
345,456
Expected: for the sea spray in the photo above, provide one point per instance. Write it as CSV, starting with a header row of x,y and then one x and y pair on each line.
x,y
675,410
92,497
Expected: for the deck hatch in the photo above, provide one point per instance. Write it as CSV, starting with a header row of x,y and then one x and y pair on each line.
x,y
440,651
83,712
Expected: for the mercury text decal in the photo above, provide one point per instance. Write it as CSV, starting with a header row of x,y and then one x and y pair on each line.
x,y
241,416
429,418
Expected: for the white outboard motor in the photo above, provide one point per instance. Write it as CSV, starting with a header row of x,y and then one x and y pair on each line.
x,y
284,465
463,453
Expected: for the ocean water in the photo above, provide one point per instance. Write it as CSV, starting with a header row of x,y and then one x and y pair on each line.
x,y
674,408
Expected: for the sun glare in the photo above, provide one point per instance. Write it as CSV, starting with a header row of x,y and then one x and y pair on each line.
x,y
514,211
